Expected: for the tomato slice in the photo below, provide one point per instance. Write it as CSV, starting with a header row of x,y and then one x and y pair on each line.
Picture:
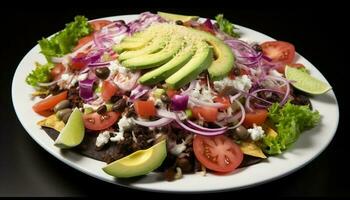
x,y
218,153
145,109
99,24
97,122
82,41
49,103
206,113
257,117
279,51
57,71
108,90
223,100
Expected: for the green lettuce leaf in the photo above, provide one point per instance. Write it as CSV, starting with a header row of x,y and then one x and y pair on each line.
x,y
290,121
226,26
41,74
64,41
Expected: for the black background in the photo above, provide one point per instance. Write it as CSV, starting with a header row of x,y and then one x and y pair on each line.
x,y
319,34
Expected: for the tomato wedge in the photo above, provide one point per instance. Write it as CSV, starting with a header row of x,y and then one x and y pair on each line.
x,y
218,153
82,41
145,109
279,51
206,113
108,90
57,71
49,103
97,122
257,117
99,24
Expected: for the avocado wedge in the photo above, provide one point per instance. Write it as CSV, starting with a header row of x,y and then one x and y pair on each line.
x,y
161,73
201,60
138,163
155,59
155,45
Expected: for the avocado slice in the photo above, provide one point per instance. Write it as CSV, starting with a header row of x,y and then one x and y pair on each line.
x,y
127,46
161,73
176,17
138,163
201,60
224,58
155,59
156,45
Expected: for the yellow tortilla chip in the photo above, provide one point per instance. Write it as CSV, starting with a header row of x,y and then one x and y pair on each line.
x,y
250,148
269,131
52,122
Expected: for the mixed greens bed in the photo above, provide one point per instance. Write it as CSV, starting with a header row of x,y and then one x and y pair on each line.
x,y
171,93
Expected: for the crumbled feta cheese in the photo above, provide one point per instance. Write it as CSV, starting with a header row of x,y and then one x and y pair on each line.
x,y
125,123
73,81
118,136
275,73
242,83
256,133
65,77
201,93
123,70
113,67
178,148
102,138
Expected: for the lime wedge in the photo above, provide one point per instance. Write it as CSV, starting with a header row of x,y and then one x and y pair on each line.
x,y
138,163
73,132
175,17
305,82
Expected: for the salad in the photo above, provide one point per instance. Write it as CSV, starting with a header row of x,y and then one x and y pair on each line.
x,y
172,94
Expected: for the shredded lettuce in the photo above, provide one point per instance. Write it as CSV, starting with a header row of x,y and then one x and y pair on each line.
x,y
64,41
290,121
41,74
226,26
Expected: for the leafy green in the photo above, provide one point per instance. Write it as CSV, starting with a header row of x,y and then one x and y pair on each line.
x,y
64,41
226,26
290,121
41,74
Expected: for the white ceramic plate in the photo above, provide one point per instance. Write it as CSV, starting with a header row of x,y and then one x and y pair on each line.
x,y
309,145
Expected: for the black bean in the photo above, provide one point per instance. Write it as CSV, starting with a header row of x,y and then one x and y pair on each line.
x,y
165,98
236,71
115,98
102,109
241,132
119,106
169,174
179,22
257,47
301,100
130,112
61,105
61,113
102,72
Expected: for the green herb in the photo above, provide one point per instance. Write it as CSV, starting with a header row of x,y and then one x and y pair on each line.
x,y
226,26
290,121
64,41
41,74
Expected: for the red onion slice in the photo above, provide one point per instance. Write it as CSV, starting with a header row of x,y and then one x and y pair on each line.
x,y
158,123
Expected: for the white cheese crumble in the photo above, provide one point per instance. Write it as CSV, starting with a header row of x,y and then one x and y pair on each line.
x,y
242,83
65,77
118,136
82,77
102,138
125,123
256,133
178,148
202,93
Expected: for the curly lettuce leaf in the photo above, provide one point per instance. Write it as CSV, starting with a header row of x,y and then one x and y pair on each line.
x,y
226,26
64,41
41,74
290,121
